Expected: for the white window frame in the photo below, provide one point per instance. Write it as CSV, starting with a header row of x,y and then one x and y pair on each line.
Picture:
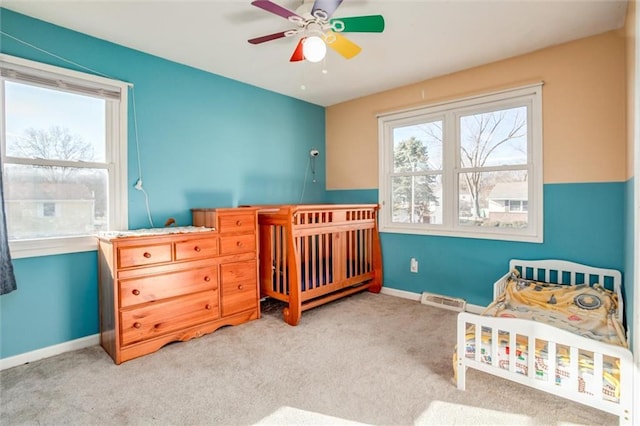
x,y
531,96
116,158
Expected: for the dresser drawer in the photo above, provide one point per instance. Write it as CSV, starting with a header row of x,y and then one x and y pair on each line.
x,y
156,319
239,287
195,249
237,223
144,255
156,287
237,244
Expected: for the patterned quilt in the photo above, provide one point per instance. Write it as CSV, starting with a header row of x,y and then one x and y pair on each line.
x,y
589,311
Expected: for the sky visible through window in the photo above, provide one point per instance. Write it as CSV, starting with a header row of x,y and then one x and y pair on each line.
x,y
514,152
28,106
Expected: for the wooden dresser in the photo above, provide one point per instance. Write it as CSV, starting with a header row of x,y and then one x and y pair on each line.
x,y
173,284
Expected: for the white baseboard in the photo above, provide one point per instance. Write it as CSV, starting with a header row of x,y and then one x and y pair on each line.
x,y
474,309
38,354
401,293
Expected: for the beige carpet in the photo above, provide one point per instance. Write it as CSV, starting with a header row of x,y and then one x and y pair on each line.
x,y
368,359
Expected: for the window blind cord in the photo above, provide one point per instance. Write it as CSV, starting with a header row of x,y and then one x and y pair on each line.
x,y
133,99
304,185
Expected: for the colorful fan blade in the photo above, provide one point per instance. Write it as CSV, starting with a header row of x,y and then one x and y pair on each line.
x,y
297,54
327,6
274,8
360,24
343,45
269,37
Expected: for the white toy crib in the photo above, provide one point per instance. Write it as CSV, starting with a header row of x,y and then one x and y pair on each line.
x,y
587,371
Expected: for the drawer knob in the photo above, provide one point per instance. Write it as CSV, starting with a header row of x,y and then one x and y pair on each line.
x,y
147,254
197,248
238,222
207,278
136,292
137,325
208,307
239,243
240,286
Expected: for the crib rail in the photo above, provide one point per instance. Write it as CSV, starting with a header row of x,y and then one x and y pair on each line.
x,y
523,340
312,254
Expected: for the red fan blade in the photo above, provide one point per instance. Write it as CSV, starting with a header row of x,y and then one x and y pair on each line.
x,y
327,6
297,54
269,6
269,37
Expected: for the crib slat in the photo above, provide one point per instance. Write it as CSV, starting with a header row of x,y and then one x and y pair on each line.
x,y
531,356
478,341
353,246
349,246
495,347
574,355
357,246
597,375
284,255
314,263
551,362
368,249
513,349
278,284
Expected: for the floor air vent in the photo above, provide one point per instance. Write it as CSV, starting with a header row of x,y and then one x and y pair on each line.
x,y
444,302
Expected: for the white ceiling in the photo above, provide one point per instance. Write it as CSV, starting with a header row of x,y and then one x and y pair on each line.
x,y
421,40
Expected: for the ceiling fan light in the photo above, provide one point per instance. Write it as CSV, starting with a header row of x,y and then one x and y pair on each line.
x,y
314,49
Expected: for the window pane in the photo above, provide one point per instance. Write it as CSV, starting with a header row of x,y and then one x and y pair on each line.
x,y
418,147
51,124
417,199
54,201
494,199
495,138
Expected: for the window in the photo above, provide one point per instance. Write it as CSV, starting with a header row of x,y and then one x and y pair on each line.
x,y
48,210
466,168
63,155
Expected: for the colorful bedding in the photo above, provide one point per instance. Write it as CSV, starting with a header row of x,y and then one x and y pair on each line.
x,y
589,311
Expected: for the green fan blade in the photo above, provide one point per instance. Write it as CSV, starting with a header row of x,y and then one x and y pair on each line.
x,y
359,24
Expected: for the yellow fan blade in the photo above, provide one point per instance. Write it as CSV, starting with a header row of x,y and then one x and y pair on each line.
x,y
342,45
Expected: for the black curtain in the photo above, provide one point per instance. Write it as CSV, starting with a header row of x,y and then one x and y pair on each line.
x,y
7,278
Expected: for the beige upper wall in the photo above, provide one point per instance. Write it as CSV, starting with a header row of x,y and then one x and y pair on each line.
x,y
630,32
584,112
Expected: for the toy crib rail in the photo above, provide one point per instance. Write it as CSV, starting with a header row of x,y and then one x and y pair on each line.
x,y
313,254
542,369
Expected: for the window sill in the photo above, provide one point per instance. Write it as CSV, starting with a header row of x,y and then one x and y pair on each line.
x,y
489,235
52,246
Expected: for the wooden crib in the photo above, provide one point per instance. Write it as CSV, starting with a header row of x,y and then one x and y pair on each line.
x,y
314,254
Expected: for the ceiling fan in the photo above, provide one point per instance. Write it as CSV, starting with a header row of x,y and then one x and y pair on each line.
x,y
318,29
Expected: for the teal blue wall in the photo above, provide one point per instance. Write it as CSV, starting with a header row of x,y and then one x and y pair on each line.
x,y
582,223
205,141
629,255
56,301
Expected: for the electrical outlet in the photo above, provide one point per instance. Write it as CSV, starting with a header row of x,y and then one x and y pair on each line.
x,y
414,265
